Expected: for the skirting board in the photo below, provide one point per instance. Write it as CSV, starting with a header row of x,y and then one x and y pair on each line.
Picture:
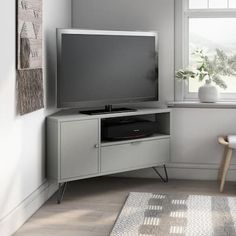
x,y
184,171
19,215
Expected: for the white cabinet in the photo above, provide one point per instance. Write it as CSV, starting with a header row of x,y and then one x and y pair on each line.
x,y
79,151
75,149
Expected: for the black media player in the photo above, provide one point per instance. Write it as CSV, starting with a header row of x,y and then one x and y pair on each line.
x,y
130,128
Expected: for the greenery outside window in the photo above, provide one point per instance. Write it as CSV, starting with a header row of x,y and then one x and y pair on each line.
x,y
208,25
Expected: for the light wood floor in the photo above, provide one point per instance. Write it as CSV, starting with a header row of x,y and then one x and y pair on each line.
x,y
90,207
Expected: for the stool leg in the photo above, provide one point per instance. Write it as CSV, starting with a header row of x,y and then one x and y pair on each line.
x,y
220,172
225,168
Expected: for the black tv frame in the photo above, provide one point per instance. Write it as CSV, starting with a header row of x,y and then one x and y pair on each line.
x,y
107,102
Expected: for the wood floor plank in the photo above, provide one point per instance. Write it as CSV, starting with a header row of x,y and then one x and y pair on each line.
x,y
90,207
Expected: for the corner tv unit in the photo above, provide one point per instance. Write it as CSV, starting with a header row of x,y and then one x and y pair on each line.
x,y
98,68
78,148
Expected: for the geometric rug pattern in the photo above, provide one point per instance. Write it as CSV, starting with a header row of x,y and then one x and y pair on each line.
x,y
153,214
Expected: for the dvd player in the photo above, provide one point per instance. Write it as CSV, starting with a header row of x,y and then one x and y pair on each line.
x,y
124,129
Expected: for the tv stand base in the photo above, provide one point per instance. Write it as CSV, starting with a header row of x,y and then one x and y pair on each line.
x,y
108,110
61,192
62,186
164,179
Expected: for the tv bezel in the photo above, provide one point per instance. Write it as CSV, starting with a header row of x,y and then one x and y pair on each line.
x,y
99,103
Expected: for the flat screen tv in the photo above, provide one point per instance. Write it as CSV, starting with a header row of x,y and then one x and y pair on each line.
x,y
97,68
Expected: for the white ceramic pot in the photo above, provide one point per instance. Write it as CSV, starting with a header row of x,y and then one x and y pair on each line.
x,y
208,93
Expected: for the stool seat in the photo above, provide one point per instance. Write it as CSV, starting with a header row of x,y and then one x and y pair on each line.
x,y
229,143
232,141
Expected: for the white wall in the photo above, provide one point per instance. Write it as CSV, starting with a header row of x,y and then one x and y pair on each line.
x,y
157,15
22,142
195,153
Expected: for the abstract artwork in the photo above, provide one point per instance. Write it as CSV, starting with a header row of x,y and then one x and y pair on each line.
x,y
29,56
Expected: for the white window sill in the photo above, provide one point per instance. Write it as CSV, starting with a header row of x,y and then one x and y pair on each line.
x,y
197,104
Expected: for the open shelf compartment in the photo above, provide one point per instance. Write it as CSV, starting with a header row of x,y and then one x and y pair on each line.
x,y
162,128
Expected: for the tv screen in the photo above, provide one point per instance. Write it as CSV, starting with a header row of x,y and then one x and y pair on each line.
x,y
106,67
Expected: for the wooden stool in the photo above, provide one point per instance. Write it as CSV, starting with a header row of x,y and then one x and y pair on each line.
x,y
225,161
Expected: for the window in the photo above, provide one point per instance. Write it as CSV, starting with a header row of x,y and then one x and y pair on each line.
x,y
212,4
208,25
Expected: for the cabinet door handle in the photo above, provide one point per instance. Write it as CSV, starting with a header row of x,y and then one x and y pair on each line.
x,y
96,146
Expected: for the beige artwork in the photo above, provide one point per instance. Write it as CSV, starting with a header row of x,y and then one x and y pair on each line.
x,y
29,56
29,34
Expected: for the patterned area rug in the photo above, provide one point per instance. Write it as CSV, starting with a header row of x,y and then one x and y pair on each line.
x,y
149,214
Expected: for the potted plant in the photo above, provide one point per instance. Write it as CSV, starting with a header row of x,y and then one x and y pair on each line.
x,y
210,70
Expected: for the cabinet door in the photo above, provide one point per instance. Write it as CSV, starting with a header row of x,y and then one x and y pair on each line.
x,y
79,153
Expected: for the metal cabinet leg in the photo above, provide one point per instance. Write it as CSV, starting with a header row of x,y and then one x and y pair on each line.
x,y
61,192
164,179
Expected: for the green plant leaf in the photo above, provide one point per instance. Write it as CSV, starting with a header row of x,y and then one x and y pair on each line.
x,y
220,65
184,74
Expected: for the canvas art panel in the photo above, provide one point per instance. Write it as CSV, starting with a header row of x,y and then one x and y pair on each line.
x,y
29,56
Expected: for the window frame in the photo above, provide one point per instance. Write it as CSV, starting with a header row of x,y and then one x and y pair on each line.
x,y
182,16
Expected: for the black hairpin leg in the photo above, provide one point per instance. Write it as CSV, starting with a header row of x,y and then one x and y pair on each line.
x,y
61,192
164,179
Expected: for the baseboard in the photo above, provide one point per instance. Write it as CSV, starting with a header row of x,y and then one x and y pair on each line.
x,y
184,171
198,171
20,214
